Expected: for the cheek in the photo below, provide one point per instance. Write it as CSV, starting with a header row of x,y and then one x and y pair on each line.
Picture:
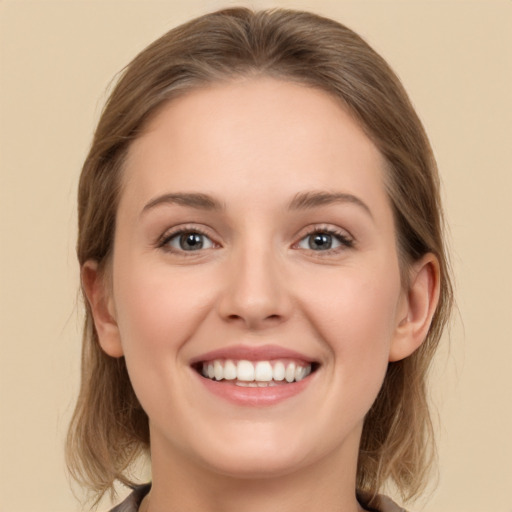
x,y
158,312
354,303
158,309
355,313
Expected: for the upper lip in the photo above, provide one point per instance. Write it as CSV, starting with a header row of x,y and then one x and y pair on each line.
x,y
252,353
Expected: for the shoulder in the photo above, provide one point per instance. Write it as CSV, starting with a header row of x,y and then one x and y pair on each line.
x,y
382,503
387,505
134,499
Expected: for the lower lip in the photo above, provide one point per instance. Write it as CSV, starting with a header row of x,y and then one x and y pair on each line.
x,y
254,397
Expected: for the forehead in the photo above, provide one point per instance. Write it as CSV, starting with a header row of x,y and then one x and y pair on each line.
x,y
267,133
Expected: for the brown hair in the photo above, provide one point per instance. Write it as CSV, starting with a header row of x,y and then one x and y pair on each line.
x,y
109,429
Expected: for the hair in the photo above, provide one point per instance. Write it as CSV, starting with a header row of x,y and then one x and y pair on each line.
x,y
109,429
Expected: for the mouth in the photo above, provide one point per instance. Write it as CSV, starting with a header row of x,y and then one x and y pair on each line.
x,y
258,376
255,373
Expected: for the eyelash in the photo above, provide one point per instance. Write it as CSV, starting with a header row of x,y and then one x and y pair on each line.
x,y
345,241
163,241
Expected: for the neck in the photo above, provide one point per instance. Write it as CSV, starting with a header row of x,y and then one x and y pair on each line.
x,y
180,485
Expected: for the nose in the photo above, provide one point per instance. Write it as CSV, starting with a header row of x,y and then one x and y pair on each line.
x,y
255,293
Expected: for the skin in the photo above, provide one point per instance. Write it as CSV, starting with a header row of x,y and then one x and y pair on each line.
x,y
253,145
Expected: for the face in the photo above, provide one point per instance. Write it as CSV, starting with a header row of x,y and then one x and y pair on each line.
x,y
256,289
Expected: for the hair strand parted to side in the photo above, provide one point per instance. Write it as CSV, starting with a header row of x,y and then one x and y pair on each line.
x,y
109,430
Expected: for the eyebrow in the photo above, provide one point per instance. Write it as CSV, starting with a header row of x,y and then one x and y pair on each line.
x,y
190,199
306,200
301,201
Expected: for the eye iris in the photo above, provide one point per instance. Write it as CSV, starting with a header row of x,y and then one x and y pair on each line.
x,y
191,241
320,241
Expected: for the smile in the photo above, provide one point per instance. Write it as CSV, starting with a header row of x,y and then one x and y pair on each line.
x,y
251,376
256,373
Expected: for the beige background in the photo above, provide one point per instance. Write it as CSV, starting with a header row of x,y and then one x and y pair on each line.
x,y
57,58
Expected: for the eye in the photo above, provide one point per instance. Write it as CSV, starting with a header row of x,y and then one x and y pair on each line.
x,y
324,240
187,241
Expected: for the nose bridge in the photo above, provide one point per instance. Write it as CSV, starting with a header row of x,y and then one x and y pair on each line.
x,y
255,292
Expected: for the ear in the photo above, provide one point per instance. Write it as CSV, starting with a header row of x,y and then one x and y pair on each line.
x,y
101,303
418,307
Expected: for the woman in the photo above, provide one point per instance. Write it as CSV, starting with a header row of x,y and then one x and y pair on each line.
x,y
260,238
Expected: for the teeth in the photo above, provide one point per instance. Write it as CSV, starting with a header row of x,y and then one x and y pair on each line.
x,y
245,371
289,374
300,373
229,370
263,371
255,384
279,371
218,370
247,384
255,374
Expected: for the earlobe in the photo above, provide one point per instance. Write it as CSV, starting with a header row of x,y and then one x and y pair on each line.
x,y
420,305
102,308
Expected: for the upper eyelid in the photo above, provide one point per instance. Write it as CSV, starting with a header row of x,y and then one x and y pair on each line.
x,y
346,240
300,235
178,230
324,228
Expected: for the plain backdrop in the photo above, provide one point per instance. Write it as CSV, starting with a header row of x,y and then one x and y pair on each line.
x,y
57,59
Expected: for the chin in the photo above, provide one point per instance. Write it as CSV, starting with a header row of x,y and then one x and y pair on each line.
x,y
255,466
257,456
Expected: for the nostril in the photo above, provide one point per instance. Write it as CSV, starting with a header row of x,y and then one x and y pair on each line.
x,y
254,320
234,318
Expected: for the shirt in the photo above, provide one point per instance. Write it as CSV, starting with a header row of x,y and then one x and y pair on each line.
x,y
133,501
